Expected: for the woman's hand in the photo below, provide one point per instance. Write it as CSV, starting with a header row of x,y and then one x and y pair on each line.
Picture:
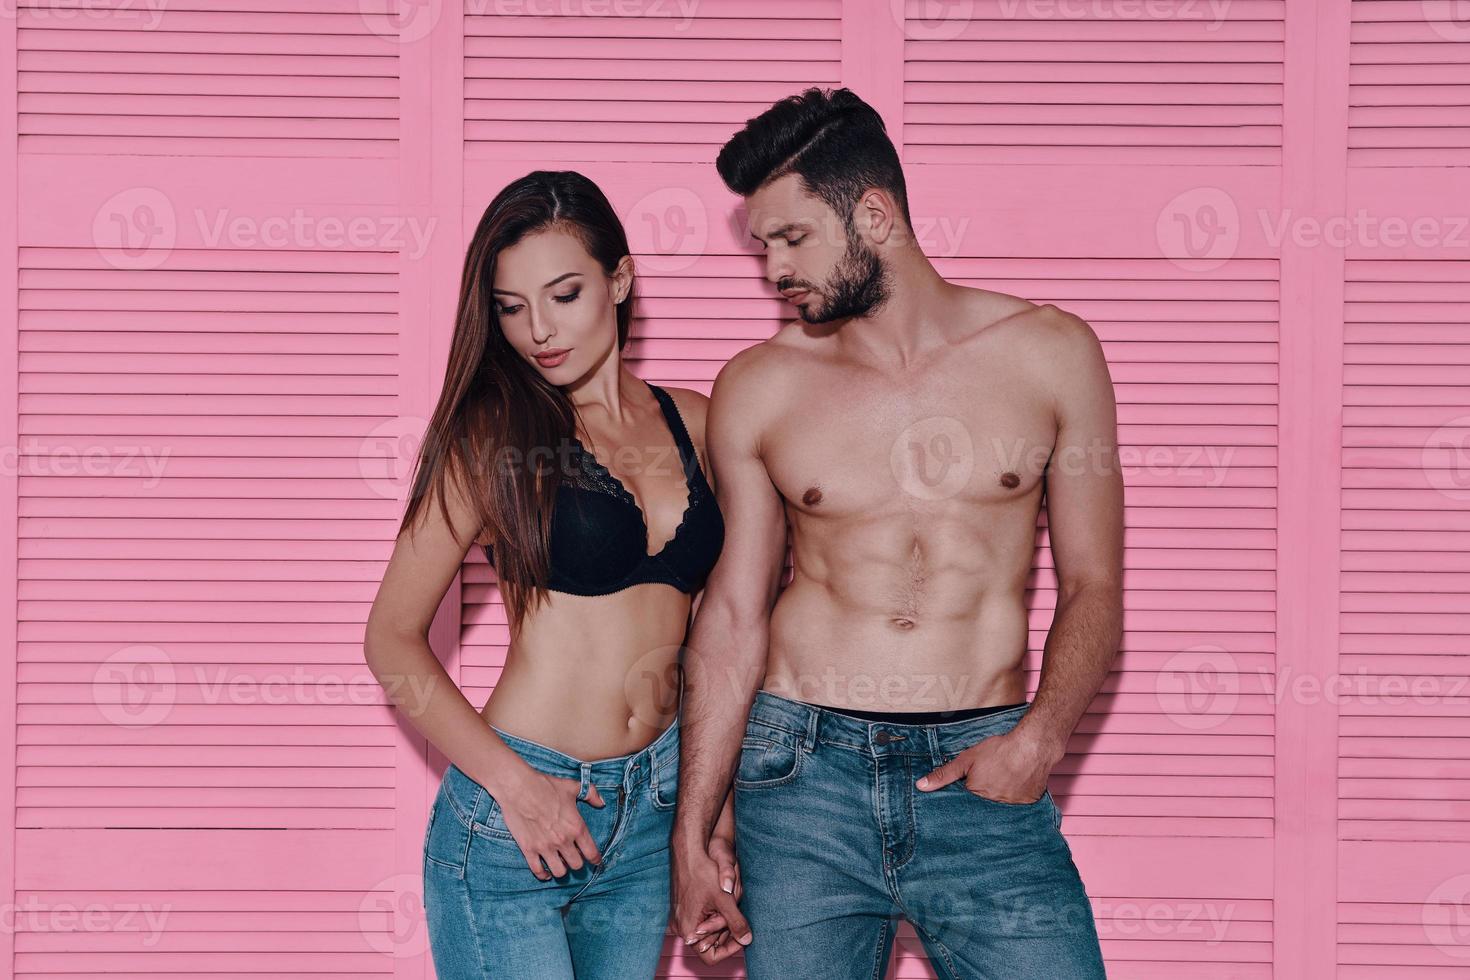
x,y
541,814
716,942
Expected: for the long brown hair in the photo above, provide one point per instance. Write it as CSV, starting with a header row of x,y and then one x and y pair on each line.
x,y
498,420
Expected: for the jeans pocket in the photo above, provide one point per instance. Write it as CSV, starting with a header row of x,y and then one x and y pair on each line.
x,y
666,781
447,839
1042,802
768,759
494,825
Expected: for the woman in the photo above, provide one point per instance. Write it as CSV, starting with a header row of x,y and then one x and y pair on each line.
x,y
547,850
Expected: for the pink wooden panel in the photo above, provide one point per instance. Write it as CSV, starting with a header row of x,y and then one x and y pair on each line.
x,y
202,760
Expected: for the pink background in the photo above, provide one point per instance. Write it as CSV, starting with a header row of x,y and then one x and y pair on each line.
x,y
240,231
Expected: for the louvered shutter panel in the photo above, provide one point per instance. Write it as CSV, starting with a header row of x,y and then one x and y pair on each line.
x,y
317,78
1402,731
212,258
1032,136
670,84
1406,422
1410,83
999,81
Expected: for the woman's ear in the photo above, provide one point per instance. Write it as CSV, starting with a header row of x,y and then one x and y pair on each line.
x,y
622,277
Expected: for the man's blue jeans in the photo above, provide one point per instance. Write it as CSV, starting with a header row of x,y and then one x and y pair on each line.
x,y
836,845
489,917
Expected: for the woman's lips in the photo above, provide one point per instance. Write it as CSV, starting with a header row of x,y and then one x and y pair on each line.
x,y
551,360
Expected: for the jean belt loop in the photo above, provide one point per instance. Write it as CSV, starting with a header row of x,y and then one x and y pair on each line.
x,y
813,716
586,786
936,751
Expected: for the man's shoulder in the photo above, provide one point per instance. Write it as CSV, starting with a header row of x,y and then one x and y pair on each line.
x,y
754,388
693,405
987,311
761,363
1045,323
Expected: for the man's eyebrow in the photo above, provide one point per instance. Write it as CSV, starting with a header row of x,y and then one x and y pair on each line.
x,y
553,282
784,231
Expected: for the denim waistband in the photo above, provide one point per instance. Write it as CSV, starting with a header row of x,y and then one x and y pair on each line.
x,y
813,724
625,770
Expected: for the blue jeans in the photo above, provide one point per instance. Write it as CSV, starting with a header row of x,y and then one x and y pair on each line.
x,y
489,918
836,845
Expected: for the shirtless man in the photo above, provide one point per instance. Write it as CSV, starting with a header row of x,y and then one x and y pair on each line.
x,y
885,760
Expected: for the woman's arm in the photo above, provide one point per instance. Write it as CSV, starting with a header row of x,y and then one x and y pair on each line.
x,y
426,558
540,810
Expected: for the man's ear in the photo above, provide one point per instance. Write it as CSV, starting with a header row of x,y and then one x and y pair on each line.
x,y
878,212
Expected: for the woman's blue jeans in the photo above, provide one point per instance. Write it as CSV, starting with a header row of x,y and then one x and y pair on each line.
x,y
490,918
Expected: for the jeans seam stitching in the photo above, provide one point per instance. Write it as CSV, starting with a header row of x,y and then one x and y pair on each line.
x,y
879,960
443,864
943,949
469,914
913,848
779,728
483,828
739,783
656,784
464,818
620,824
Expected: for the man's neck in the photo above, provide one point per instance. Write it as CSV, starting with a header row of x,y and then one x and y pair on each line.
x,y
908,325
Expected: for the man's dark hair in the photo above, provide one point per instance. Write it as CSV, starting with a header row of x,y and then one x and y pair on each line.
x,y
834,140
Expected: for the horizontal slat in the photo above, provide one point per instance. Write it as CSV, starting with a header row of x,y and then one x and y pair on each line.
x,y
209,82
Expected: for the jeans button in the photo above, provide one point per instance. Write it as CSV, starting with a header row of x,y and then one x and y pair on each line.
x,y
882,738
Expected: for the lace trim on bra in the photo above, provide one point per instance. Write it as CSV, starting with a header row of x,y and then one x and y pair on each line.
x,y
586,473
592,475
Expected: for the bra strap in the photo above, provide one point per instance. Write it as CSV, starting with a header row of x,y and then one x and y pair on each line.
x,y
676,426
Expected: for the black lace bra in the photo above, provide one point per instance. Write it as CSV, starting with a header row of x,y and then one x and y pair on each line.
x,y
599,538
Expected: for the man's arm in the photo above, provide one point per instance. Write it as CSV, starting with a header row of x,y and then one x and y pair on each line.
x,y
725,659
1084,517
1084,510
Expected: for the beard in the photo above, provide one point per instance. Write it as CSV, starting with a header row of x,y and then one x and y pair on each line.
x,y
858,285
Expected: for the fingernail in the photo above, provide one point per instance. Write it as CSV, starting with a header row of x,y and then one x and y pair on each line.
x,y
924,783
689,941
745,939
729,885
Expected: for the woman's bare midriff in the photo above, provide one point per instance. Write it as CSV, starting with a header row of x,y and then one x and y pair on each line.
x,y
594,677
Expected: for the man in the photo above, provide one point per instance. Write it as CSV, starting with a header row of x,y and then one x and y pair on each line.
x,y
886,763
